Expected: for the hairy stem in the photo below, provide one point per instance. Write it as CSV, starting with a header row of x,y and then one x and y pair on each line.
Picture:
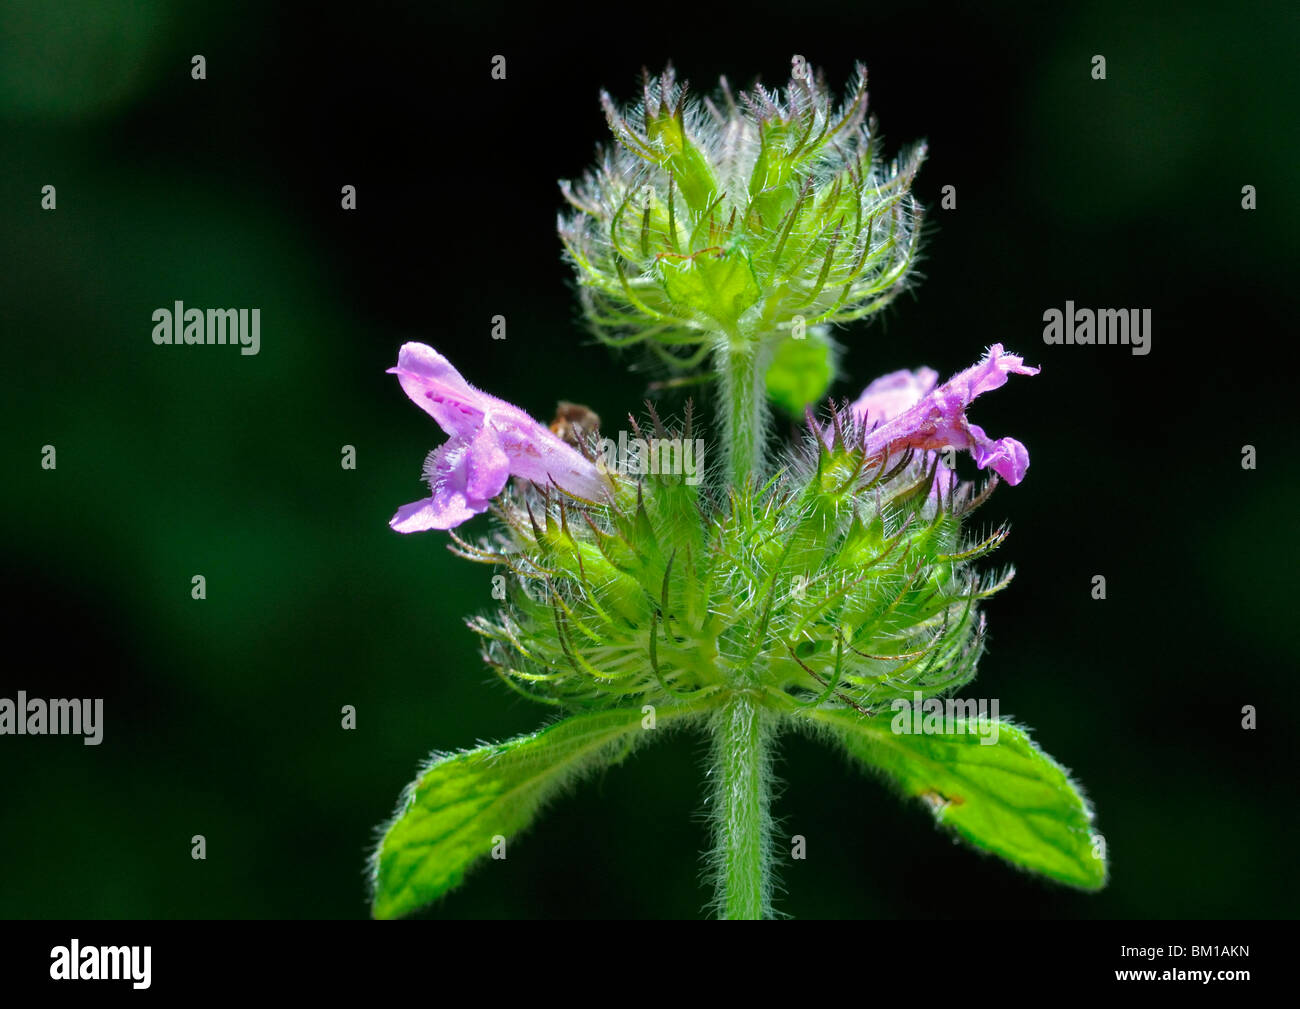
x,y
742,365
742,821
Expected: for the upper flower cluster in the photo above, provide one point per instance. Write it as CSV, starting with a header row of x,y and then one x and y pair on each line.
x,y
739,218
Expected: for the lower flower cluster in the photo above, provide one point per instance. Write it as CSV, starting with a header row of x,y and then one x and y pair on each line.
x,y
844,581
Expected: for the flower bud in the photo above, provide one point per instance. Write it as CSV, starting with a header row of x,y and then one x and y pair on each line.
x,y
739,218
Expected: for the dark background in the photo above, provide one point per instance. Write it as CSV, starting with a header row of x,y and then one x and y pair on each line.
x,y
222,716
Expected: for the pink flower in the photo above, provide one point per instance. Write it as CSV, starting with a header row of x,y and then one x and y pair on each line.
x,y
491,440
907,411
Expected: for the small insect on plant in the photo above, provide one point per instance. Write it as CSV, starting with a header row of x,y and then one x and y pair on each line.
x,y
574,423
828,587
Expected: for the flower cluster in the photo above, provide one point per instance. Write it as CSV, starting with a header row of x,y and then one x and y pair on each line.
x,y
843,581
745,217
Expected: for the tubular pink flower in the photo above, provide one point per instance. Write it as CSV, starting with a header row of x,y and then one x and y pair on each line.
x,y
491,440
909,412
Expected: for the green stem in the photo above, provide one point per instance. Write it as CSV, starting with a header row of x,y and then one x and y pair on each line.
x,y
742,728
742,821
742,365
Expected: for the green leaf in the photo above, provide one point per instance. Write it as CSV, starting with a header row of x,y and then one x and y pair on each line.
x,y
460,802
801,371
1008,798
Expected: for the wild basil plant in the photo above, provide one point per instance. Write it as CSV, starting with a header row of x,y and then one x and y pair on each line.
x,y
827,587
